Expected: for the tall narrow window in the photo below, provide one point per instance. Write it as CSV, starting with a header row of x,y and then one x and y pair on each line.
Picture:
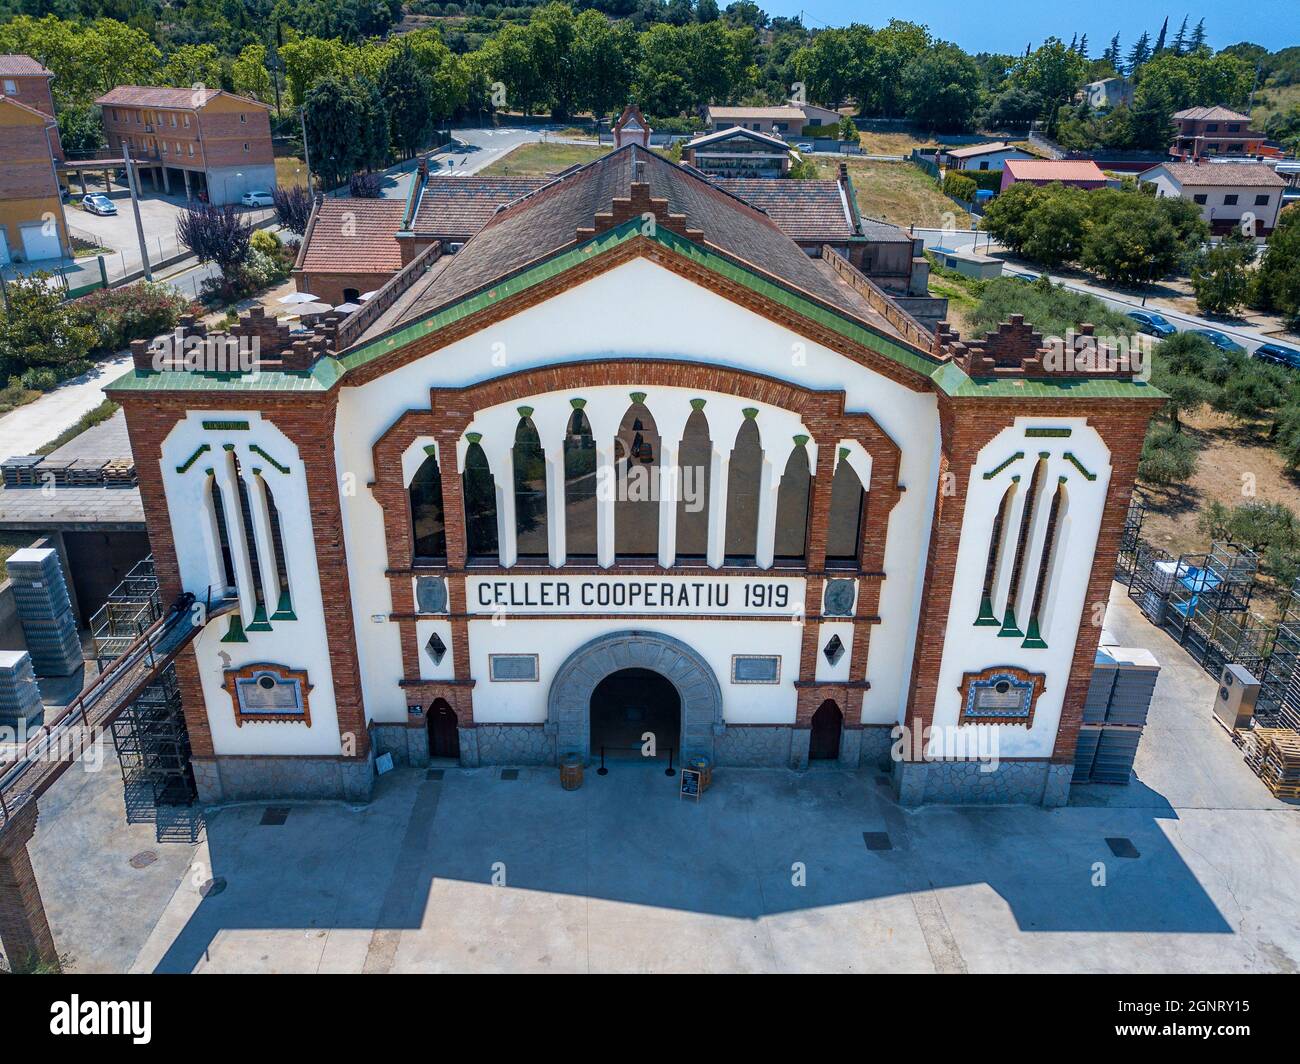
x,y
530,492
1009,624
285,605
844,529
694,461
792,508
428,521
480,506
579,490
223,534
744,471
986,615
1051,541
250,540
636,468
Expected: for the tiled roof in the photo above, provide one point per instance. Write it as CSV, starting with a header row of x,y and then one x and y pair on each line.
x,y
1244,175
166,96
455,208
1055,170
22,66
803,210
1212,114
354,236
548,220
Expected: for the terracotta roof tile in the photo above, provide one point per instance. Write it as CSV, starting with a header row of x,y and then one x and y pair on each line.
x,y
803,210
455,208
1218,114
1055,170
355,236
166,96
22,66
1245,175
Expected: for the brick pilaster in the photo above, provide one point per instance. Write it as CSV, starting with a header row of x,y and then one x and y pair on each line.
x,y
24,930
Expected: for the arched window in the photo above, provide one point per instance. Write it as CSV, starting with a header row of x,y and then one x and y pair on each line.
x,y
844,528
694,461
1010,626
792,507
636,468
744,471
285,605
986,614
1051,552
223,533
579,490
428,521
530,492
250,540
480,506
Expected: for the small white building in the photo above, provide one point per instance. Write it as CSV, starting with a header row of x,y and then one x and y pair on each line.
x,y
1108,93
984,156
1230,194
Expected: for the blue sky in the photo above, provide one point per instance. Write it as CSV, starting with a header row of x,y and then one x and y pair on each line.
x,y
1008,25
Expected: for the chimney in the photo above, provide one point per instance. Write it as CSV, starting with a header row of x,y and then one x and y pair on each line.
x,y
141,356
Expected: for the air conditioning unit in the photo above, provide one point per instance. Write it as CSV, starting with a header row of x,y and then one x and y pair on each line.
x,y
1235,703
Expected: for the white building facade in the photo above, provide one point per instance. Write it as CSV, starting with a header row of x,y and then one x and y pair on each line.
x,y
656,474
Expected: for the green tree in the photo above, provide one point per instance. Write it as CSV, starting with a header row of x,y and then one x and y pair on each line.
x,y
37,330
405,89
193,64
250,75
603,57
81,127
1053,73
333,114
1221,274
941,88
1277,283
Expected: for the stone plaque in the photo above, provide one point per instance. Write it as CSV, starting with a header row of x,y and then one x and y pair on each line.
x,y
431,594
839,597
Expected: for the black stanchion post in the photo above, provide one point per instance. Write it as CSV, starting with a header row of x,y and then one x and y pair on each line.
x,y
602,771
670,771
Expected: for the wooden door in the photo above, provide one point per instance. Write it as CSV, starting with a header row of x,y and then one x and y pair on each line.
x,y
824,743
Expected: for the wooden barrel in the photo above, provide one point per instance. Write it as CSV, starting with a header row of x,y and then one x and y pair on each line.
x,y
571,772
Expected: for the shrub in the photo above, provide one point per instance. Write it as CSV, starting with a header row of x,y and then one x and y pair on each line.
x,y
365,186
1049,308
958,186
292,207
134,312
1168,456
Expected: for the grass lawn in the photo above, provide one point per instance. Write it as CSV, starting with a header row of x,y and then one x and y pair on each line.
x,y
1271,99
539,159
893,143
15,395
898,192
290,170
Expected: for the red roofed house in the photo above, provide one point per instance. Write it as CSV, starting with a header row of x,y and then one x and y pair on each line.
x,y
1231,195
31,214
1081,173
350,248
1206,131
217,144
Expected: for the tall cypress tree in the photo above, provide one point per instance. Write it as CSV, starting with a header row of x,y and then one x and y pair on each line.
x,y
1180,40
1160,41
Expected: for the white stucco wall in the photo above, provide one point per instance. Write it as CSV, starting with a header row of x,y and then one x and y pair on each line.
x,y
636,310
971,648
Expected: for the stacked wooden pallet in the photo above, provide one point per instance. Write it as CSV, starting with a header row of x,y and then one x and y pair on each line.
x,y
83,473
119,473
20,471
1279,760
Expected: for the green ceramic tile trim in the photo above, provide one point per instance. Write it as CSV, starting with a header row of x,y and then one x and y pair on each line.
x,y
226,426
284,609
257,450
1078,465
986,618
1043,433
995,471
1033,640
328,372
1009,626
184,466
235,633
260,623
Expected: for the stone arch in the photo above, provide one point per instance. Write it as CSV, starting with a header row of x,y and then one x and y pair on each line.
x,y
568,705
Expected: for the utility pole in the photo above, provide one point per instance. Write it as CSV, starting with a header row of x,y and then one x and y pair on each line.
x,y
132,182
306,153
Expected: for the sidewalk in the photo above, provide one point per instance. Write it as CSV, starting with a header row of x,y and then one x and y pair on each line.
x,y
29,427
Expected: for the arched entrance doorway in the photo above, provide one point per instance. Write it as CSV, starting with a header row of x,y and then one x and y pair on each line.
x,y
824,742
569,703
630,704
444,731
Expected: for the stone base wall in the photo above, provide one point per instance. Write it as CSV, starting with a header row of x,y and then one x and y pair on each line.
x,y
753,747
876,744
965,783
243,779
409,746
510,744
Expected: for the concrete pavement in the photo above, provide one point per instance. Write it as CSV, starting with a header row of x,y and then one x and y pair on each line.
x,y
31,426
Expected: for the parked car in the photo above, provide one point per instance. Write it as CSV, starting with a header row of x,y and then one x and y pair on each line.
x,y
98,203
257,198
1219,340
1279,355
804,146
1153,324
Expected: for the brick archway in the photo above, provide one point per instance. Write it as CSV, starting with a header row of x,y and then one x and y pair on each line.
x,y
568,706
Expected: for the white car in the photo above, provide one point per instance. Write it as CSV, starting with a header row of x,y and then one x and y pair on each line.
x,y
804,146
257,198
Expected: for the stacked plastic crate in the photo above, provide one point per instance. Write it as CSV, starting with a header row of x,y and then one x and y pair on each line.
x,y
45,611
20,697
1114,713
